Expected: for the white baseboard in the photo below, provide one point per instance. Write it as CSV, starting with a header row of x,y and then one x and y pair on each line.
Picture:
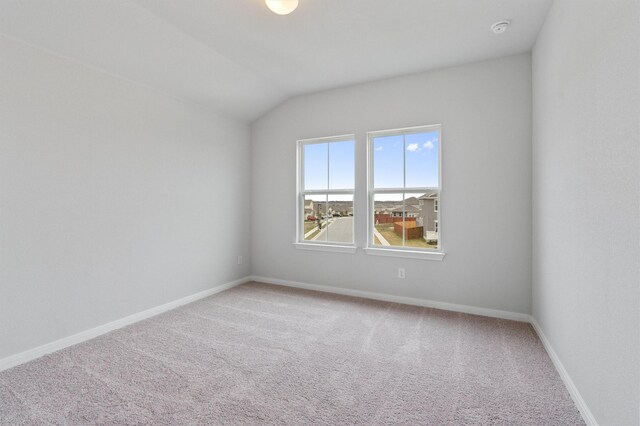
x,y
494,313
587,415
65,342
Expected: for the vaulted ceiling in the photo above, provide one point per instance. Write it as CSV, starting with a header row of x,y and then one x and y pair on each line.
x,y
237,57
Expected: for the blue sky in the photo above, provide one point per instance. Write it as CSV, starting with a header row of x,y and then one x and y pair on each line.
x,y
341,171
420,151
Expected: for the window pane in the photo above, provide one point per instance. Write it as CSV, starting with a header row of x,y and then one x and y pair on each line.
x,y
399,220
340,221
341,165
388,162
315,207
387,212
316,166
421,159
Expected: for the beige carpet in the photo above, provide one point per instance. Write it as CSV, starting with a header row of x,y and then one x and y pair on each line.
x,y
273,355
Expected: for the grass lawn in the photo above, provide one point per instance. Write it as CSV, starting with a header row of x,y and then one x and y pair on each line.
x,y
386,230
309,225
312,235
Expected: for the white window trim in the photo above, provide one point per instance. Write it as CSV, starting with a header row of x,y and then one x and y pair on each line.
x,y
410,253
323,246
395,251
300,243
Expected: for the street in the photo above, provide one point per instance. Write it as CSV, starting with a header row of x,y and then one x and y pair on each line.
x,y
339,231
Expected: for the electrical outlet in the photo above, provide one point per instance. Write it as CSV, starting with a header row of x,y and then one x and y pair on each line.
x,y
400,272
239,260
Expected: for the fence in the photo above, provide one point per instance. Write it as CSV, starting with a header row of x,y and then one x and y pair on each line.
x,y
387,218
411,231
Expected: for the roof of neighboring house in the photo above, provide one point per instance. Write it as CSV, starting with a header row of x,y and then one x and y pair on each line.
x,y
380,205
407,209
309,203
412,201
429,196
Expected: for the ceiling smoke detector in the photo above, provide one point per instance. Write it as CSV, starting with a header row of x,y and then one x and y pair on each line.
x,y
500,27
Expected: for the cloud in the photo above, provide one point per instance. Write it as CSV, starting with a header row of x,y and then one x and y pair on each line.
x,y
428,145
413,147
378,148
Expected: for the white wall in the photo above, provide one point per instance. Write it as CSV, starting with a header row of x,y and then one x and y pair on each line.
x,y
586,199
113,198
485,112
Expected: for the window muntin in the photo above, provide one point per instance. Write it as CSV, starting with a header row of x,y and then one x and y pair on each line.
x,y
404,188
326,190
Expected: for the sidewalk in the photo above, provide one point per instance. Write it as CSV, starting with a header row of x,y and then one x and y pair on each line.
x,y
329,222
380,238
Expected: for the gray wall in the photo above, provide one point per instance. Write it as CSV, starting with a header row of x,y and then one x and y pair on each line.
x,y
586,198
485,112
113,198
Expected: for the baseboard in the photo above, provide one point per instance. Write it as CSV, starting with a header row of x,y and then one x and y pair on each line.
x,y
65,342
494,313
587,415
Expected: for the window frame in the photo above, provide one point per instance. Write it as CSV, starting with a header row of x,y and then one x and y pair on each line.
x,y
402,251
300,242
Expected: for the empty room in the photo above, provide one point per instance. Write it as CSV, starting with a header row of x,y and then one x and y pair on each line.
x,y
320,212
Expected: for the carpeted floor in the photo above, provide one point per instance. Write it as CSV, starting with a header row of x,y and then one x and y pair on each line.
x,y
266,354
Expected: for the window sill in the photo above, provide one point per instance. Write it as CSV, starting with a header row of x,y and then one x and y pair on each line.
x,y
410,254
326,247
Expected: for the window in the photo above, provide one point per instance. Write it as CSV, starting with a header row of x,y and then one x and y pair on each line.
x,y
326,181
404,191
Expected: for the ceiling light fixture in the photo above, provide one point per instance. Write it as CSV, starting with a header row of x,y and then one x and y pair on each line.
x,y
282,7
500,27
